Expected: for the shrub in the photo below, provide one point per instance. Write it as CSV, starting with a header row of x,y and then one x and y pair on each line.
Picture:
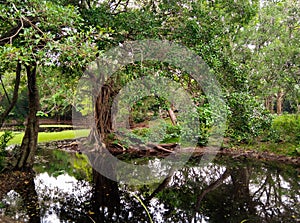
x,y
248,118
4,138
287,127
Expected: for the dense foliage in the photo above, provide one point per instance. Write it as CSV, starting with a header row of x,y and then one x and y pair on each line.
x,y
54,41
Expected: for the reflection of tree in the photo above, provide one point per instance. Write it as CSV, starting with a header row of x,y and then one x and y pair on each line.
x,y
227,191
106,198
56,161
231,192
23,184
277,195
212,187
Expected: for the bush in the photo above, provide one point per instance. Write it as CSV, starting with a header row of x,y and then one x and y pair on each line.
x,y
287,127
162,133
248,118
205,123
172,134
4,138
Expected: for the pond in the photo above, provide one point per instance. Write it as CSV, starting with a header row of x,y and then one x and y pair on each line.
x,y
64,188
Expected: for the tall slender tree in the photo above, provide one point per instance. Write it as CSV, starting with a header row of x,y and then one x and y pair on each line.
x,y
39,33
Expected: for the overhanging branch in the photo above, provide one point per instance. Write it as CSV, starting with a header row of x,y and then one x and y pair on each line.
x,y
15,95
10,38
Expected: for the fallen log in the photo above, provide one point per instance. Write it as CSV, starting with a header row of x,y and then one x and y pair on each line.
x,y
160,148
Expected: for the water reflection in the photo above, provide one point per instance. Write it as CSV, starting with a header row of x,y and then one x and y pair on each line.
x,y
65,189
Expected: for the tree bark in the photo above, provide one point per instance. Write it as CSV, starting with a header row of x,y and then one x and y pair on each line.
x,y
29,142
15,95
172,114
279,103
269,103
103,116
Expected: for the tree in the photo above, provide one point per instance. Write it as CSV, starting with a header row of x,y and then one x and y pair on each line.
x,y
204,27
67,34
34,34
269,49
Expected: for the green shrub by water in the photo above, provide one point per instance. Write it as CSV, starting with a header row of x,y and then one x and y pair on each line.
x,y
248,119
287,128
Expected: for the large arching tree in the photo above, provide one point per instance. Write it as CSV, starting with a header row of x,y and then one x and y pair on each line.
x,y
60,33
207,28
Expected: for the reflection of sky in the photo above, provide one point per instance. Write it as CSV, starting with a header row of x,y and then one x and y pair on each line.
x,y
51,190
275,193
65,183
51,185
208,174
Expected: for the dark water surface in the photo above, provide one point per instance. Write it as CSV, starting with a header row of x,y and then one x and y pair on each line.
x,y
66,189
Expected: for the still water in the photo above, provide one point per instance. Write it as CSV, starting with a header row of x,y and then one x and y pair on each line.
x,y
64,188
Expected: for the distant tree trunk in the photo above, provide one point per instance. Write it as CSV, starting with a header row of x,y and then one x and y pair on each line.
x,y
269,103
29,142
172,115
14,100
279,103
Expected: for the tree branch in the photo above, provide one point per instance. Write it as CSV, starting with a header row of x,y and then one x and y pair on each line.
x,y
212,187
15,95
25,22
4,89
14,35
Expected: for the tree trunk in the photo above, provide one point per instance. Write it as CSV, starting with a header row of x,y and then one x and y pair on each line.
x,y
13,102
103,116
172,114
279,103
269,103
29,142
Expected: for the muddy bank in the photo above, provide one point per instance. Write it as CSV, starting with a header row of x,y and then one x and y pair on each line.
x,y
164,150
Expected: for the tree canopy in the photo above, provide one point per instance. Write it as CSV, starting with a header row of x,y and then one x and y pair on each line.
x,y
253,49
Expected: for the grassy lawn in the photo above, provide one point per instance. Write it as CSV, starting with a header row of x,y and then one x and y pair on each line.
x,y
56,126
51,136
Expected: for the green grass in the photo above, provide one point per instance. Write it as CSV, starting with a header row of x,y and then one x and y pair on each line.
x,y
56,126
283,148
50,136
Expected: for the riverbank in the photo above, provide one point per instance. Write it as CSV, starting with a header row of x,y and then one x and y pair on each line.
x,y
163,150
